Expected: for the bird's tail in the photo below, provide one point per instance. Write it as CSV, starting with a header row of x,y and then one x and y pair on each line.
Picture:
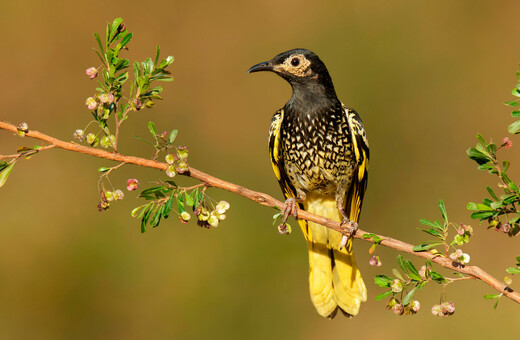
x,y
334,278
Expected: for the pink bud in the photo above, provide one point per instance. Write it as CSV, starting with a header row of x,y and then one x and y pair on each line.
x,y
132,184
91,103
91,72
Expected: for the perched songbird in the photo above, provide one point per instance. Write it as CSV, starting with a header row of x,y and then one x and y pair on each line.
x,y
319,153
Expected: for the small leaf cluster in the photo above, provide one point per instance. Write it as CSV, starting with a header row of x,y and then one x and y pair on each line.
x,y
500,210
114,73
403,286
441,232
514,127
164,198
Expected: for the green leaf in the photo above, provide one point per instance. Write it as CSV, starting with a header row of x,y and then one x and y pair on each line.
x,y
400,260
168,205
433,232
491,192
382,280
157,52
100,46
397,274
515,113
512,103
135,211
435,224
478,156
492,296
156,217
481,139
373,237
188,200
172,137
437,277
482,215
513,270
513,186
514,128
113,31
412,271
383,295
408,298
5,172
126,39
153,131
103,169
443,211
426,246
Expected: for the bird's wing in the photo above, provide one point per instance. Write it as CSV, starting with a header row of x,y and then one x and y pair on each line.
x,y
354,199
275,151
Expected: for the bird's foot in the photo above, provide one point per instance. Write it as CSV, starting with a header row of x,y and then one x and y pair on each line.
x,y
349,226
290,208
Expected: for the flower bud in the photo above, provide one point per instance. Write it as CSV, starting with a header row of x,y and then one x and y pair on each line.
x,y
170,171
91,103
437,310
105,142
415,306
106,98
448,307
137,104
170,158
132,184
374,261
92,139
398,309
109,195
213,221
222,207
182,151
185,216
508,280
91,72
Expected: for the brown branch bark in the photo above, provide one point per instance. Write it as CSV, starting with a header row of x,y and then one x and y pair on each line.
x,y
268,201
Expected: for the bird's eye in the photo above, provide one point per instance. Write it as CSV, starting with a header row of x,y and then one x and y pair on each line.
x,y
295,62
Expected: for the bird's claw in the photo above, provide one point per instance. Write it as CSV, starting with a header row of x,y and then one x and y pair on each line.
x,y
352,227
289,208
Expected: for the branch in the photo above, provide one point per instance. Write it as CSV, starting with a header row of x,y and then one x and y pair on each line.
x,y
268,201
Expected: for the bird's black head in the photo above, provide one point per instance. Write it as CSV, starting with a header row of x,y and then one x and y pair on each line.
x,y
306,73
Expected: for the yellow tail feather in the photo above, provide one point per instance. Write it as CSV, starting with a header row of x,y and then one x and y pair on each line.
x,y
334,278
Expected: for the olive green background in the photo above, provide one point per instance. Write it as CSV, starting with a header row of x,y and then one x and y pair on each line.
x,y
425,76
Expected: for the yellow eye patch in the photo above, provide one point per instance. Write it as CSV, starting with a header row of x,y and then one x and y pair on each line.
x,y
300,70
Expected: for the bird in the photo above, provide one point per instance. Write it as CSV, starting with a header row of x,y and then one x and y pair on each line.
x,y
319,153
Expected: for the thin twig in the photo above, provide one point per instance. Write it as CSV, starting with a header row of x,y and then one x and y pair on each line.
x,y
269,201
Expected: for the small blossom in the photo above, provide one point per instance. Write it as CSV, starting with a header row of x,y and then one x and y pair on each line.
x,y
396,286
182,151
132,184
105,142
91,103
204,215
170,171
23,127
508,280
437,310
170,158
374,261
106,98
464,259
504,228
79,135
448,307
182,166
91,72
398,309
92,139
213,221
109,195
415,306
422,272
221,217
118,195
184,217
506,143
222,207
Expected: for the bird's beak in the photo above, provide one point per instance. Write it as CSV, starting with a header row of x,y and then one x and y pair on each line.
x,y
265,66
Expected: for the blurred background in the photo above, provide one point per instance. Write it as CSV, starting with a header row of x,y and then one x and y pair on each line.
x,y
425,76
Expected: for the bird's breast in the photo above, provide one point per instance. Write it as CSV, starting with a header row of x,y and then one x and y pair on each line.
x,y
317,151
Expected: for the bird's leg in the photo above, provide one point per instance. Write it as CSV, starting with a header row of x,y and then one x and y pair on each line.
x,y
346,223
290,207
